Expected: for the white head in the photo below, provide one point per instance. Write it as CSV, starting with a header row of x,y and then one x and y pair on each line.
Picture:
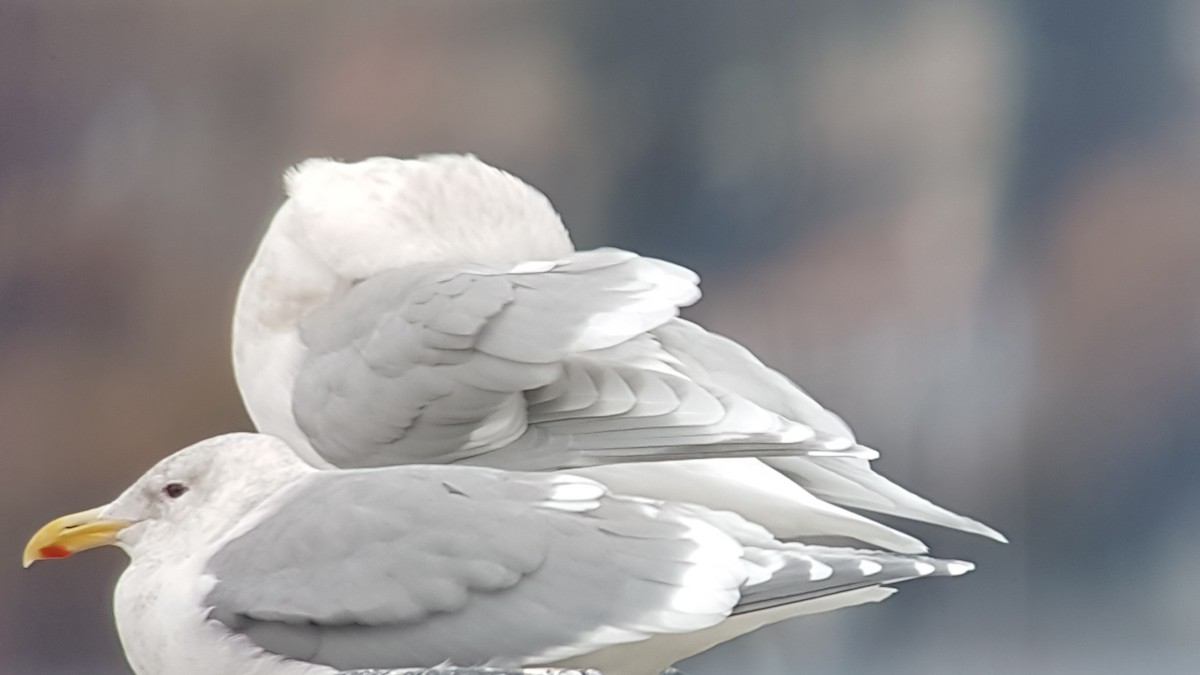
x,y
191,498
345,222
381,213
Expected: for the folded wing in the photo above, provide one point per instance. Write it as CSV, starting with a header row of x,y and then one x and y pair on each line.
x,y
542,365
417,566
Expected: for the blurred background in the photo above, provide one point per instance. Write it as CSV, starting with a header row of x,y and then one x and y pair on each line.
x,y
971,227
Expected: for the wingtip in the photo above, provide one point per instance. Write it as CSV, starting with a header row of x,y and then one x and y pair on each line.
x,y
975,527
941,567
957,568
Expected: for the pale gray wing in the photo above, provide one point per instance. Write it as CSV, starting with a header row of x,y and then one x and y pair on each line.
x,y
782,573
852,482
844,480
736,369
415,566
636,401
800,573
429,363
543,365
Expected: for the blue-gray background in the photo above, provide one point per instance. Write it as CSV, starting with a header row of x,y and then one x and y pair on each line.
x,y
972,227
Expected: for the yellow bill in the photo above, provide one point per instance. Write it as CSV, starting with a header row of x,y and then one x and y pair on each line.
x,y
71,534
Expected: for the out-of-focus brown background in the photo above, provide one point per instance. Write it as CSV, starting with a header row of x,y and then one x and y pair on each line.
x,y
972,227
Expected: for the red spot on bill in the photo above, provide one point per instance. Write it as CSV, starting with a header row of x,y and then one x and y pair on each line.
x,y
53,551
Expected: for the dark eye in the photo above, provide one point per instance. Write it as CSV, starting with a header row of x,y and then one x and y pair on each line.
x,y
174,490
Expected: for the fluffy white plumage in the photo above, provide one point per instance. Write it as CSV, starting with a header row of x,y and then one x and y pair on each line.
x,y
434,310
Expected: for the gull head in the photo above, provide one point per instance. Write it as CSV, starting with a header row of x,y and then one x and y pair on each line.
x,y
345,222
189,499
360,219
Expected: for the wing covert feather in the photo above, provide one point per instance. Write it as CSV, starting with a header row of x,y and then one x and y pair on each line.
x,y
413,566
430,363
443,364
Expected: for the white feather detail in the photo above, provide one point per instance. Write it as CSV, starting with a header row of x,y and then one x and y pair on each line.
x,y
869,567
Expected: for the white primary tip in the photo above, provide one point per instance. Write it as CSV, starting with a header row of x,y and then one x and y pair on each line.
x,y
820,571
959,567
839,443
869,567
